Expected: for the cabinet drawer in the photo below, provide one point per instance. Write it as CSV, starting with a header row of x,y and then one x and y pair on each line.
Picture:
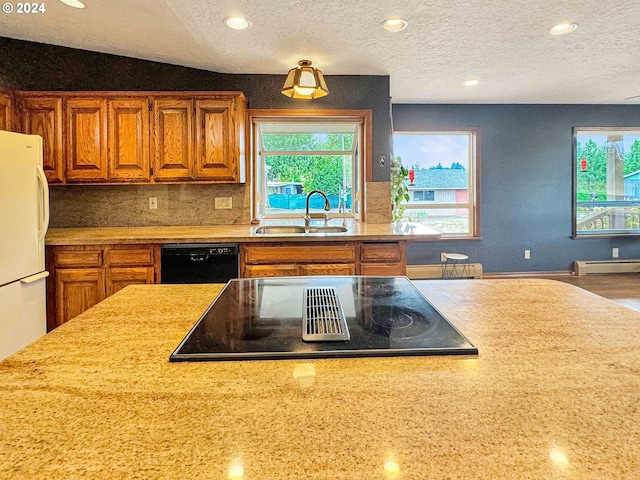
x,y
119,257
329,269
380,252
382,269
301,254
253,271
78,258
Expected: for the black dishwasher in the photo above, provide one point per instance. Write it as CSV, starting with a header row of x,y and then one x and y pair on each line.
x,y
199,263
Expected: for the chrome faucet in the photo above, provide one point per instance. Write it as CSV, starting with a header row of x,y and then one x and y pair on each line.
x,y
327,206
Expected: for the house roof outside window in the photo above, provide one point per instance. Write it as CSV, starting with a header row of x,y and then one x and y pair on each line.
x,y
439,178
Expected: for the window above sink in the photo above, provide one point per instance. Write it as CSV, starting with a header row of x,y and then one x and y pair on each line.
x,y
296,152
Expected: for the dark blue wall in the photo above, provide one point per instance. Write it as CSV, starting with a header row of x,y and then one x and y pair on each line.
x,y
526,170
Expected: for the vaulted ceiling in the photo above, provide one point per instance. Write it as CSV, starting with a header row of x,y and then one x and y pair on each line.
x,y
502,43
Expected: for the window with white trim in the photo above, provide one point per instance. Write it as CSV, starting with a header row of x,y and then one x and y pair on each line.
x,y
442,180
294,155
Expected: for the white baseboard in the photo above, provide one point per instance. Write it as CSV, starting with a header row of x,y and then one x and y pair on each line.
x,y
606,266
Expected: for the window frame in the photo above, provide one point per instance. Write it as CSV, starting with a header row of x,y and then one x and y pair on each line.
x,y
364,141
610,233
474,189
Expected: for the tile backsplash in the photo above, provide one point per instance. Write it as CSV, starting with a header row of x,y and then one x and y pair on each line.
x,y
128,205
78,206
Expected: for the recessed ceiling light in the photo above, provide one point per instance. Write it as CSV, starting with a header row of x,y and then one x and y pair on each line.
x,y
395,24
562,28
471,82
237,23
73,3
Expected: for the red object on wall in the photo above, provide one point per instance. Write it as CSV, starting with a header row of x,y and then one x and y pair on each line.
x,y
583,164
412,175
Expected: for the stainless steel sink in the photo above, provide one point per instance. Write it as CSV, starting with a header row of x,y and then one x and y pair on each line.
x,y
279,229
299,229
327,229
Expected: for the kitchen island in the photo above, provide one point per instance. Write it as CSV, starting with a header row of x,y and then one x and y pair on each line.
x,y
553,393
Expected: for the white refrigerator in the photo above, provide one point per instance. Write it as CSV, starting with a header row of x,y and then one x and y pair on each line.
x,y
24,218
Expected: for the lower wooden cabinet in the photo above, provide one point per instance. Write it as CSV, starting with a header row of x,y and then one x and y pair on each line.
x,y
77,289
283,259
119,277
83,275
280,259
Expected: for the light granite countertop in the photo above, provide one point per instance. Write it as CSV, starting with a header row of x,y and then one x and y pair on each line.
x,y
232,233
553,394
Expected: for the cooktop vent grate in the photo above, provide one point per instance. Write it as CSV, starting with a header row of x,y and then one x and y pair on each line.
x,y
323,319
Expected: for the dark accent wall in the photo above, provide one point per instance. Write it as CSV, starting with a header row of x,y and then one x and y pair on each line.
x,y
37,66
526,175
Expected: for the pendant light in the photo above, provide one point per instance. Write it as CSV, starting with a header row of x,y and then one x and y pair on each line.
x,y
304,81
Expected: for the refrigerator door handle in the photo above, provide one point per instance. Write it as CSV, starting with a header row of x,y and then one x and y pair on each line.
x,y
44,213
35,277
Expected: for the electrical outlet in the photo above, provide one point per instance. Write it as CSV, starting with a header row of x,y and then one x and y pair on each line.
x,y
222,203
442,257
614,252
527,254
153,203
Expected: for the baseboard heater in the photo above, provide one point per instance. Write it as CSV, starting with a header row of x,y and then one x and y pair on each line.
x,y
606,266
417,272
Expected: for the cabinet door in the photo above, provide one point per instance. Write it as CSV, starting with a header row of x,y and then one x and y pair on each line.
x,y
77,290
118,278
43,116
253,271
329,269
128,134
216,157
6,112
172,132
86,139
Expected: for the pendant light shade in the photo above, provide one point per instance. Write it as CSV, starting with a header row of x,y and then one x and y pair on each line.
x,y
304,81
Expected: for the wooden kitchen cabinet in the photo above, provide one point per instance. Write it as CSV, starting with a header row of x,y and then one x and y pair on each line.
x,y
135,137
172,139
219,138
6,112
383,259
328,269
81,276
128,139
294,259
283,270
277,259
42,116
86,139
127,265
77,290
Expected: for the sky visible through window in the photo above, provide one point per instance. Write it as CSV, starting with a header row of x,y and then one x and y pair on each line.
x,y
426,151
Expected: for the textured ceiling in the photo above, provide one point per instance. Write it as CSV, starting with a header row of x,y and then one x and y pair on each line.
x,y
504,43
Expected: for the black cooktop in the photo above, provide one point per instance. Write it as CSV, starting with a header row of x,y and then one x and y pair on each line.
x,y
262,319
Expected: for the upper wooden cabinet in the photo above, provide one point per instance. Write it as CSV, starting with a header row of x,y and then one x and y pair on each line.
x,y
6,112
42,115
143,137
86,139
172,132
218,140
128,137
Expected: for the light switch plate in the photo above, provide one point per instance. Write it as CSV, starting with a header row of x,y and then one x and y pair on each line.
x,y
222,203
153,203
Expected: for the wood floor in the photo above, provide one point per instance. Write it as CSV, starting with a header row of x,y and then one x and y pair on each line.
x,y
621,288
